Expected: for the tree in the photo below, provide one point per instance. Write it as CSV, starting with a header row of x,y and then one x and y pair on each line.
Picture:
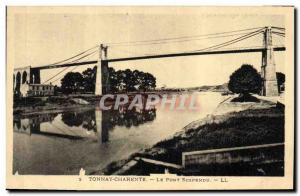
x,y
89,79
113,80
120,85
244,81
130,81
280,79
149,81
119,81
72,83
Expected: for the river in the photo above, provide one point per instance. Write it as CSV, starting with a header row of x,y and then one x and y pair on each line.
x,y
63,143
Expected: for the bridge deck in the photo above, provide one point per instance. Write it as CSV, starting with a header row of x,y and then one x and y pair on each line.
x,y
232,51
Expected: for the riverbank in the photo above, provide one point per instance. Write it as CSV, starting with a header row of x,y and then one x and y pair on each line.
x,y
28,106
230,125
34,106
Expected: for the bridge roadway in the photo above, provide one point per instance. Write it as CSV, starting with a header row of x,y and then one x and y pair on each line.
x,y
228,51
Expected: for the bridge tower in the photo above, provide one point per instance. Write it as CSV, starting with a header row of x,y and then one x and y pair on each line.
x,y
268,69
102,75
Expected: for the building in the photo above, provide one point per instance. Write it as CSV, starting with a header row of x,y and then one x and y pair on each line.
x,y
40,90
27,83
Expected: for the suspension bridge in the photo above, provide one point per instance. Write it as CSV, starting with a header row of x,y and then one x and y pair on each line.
x,y
31,75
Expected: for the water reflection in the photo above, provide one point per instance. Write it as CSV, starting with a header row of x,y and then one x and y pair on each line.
x,y
62,143
85,119
125,118
93,124
32,124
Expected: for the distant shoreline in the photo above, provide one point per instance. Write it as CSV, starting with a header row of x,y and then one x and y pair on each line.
x,y
55,104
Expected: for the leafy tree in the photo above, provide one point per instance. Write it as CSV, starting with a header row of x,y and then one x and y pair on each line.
x,y
113,79
120,81
72,82
245,80
129,80
280,79
149,81
89,79
121,85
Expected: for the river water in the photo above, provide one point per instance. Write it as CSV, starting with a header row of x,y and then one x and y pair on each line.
x,y
63,143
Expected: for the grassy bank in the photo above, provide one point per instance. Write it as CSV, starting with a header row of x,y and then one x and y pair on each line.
x,y
244,128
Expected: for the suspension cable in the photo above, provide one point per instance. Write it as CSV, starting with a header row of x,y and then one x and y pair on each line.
x,y
59,62
69,67
234,40
183,37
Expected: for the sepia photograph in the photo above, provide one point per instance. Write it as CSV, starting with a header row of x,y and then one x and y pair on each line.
x,y
191,97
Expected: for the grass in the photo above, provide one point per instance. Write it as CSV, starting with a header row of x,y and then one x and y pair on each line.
x,y
245,128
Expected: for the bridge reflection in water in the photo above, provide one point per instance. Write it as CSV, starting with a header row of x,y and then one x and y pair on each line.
x,y
94,124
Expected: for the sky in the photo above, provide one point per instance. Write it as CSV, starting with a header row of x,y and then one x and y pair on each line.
x,y
45,36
